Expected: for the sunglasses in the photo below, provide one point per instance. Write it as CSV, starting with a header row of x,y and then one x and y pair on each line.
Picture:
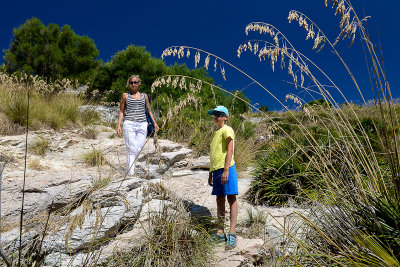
x,y
135,82
218,114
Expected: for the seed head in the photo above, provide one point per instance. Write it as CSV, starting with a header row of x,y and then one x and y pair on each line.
x,y
196,59
223,72
175,82
181,52
207,62
294,98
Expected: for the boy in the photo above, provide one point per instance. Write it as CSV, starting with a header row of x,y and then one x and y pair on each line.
x,y
223,177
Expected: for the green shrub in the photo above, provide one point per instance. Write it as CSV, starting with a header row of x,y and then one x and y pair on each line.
x,y
282,173
319,103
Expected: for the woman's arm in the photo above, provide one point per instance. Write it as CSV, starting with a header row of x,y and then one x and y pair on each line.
x,y
228,159
121,113
156,128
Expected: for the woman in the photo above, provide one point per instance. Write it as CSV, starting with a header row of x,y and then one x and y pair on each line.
x,y
134,105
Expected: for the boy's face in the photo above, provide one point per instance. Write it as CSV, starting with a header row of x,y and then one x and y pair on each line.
x,y
219,118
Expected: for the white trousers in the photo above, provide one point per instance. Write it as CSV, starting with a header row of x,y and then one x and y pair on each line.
x,y
135,137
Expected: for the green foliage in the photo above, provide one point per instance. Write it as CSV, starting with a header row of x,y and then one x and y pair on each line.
x,y
167,97
111,81
235,103
50,52
281,173
263,108
318,103
388,215
201,137
242,127
345,165
133,60
196,127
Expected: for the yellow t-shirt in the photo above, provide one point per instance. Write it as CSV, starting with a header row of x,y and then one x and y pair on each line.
x,y
218,148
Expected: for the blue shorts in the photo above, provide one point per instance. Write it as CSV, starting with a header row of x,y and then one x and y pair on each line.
x,y
230,188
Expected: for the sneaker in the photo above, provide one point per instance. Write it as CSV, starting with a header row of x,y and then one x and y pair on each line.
x,y
216,238
231,241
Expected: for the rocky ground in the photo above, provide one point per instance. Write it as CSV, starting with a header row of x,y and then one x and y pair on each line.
x,y
83,206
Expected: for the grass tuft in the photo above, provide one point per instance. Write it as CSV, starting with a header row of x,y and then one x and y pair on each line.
x,y
50,106
35,164
90,132
94,157
39,146
172,239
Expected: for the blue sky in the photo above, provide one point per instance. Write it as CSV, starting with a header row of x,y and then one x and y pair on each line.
x,y
218,27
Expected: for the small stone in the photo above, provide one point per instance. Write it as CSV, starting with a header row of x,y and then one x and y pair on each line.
x,y
180,164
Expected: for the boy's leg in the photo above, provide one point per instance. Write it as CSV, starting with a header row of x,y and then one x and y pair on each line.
x,y
221,214
233,212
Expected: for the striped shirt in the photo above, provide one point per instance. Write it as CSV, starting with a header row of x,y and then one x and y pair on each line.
x,y
135,108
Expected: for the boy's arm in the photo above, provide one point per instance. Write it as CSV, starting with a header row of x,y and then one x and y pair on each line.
x,y
228,159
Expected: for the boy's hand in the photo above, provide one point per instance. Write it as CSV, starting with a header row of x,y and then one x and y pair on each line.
x,y
210,180
224,178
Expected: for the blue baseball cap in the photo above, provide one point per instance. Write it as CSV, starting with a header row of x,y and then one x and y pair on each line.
x,y
220,109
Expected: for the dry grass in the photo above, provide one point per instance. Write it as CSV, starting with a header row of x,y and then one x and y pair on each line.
x,y
51,105
89,117
90,132
7,127
255,225
245,152
94,157
35,164
39,146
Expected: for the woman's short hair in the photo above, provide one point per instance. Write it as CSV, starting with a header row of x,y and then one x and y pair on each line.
x,y
133,76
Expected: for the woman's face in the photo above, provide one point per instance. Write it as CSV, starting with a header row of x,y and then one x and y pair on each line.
x,y
134,83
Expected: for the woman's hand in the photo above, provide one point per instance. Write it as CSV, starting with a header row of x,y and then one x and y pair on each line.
x,y
210,180
119,130
156,128
224,177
